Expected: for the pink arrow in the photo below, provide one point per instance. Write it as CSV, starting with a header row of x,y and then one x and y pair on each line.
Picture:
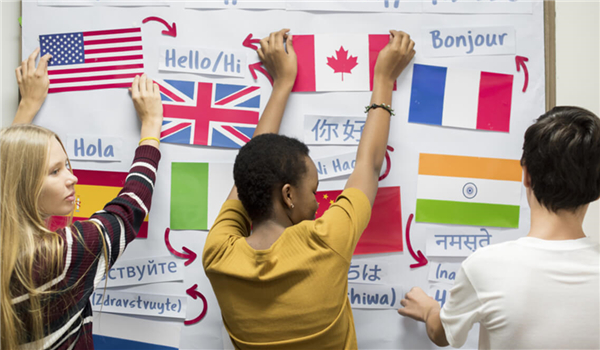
x,y
187,254
171,30
249,42
258,66
419,257
388,163
195,295
520,61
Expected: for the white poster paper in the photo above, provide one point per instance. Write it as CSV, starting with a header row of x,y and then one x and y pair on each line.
x,y
335,166
371,296
236,4
458,244
440,292
76,3
324,130
66,3
355,5
155,305
368,271
209,61
443,272
94,148
478,6
468,41
144,271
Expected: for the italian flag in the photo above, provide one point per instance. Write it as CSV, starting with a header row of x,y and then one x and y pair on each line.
x,y
198,190
94,189
468,190
337,62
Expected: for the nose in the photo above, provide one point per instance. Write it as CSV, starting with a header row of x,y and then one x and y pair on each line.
x,y
72,180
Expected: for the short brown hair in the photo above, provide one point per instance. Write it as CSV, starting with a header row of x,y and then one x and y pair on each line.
x,y
562,155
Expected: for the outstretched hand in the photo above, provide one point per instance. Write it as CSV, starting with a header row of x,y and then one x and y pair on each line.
x,y
33,85
281,64
394,57
148,105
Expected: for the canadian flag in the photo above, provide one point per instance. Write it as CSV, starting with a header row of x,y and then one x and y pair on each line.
x,y
337,62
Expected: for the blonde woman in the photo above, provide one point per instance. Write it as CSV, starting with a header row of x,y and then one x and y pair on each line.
x,y
47,277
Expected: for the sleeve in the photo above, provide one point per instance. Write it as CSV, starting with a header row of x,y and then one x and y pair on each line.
x,y
232,222
462,309
111,228
343,223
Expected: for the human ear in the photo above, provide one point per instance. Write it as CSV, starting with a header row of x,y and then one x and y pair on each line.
x,y
287,196
526,178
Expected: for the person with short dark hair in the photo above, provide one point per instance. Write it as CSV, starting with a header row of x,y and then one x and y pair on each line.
x,y
280,276
540,291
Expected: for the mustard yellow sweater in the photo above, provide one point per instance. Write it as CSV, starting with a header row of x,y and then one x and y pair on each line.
x,y
293,295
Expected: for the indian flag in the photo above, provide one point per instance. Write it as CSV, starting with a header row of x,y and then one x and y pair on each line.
x,y
468,190
198,190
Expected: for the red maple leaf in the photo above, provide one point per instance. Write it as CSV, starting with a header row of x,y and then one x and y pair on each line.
x,y
343,63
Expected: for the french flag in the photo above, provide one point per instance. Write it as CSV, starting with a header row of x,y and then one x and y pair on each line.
x,y
460,98
337,62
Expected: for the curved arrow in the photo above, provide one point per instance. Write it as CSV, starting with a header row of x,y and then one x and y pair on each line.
x,y
258,66
187,254
388,163
419,257
171,30
249,42
196,294
520,61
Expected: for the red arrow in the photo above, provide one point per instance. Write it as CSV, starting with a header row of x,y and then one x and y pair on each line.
x,y
419,257
171,30
190,255
388,163
249,42
520,61
258,66
195,294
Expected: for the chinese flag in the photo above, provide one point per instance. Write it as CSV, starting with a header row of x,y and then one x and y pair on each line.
x,y
94,189
384,232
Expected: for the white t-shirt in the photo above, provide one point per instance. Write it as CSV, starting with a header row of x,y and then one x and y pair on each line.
x,y
528,294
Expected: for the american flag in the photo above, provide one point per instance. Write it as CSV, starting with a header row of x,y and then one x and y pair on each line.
x,y
208,114
101,59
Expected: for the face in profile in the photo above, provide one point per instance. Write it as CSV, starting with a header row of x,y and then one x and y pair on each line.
x,y
305,202
58,191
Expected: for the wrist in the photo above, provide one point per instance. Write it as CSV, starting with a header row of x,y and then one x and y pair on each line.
x,y
382,82
284,85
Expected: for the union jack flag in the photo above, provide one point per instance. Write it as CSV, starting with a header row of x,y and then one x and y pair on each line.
x,y
208,114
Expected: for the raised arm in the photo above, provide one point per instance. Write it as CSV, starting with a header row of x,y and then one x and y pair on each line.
x,y
369,158
282,65
33,86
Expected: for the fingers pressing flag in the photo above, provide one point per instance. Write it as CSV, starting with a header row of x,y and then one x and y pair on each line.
x,y
94,189
384,232
468,190
460,98
208,114
100,59
337,62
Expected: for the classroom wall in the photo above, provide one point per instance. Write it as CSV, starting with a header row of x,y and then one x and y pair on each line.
x,y
577,66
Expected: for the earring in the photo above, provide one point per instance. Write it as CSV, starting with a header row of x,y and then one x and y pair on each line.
x,y
292,205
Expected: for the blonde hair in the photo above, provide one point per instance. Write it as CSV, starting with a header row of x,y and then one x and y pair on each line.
x,y
31,254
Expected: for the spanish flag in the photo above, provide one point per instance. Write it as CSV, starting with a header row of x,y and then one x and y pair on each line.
x,y
468,190
384,232
94,189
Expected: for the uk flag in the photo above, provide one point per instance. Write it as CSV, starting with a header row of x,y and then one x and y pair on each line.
x,y
208,114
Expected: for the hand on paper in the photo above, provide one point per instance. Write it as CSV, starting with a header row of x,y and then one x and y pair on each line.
x,y
281,64
148,105
418,305
394,57
33,86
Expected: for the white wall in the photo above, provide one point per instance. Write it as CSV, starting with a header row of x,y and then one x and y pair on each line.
x,y
577,65
578,69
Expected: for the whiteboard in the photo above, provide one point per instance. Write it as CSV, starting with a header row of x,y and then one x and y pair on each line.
x,y
110,112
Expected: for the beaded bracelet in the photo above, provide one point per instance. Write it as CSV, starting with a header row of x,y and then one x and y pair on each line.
x,y
149,138
383,105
